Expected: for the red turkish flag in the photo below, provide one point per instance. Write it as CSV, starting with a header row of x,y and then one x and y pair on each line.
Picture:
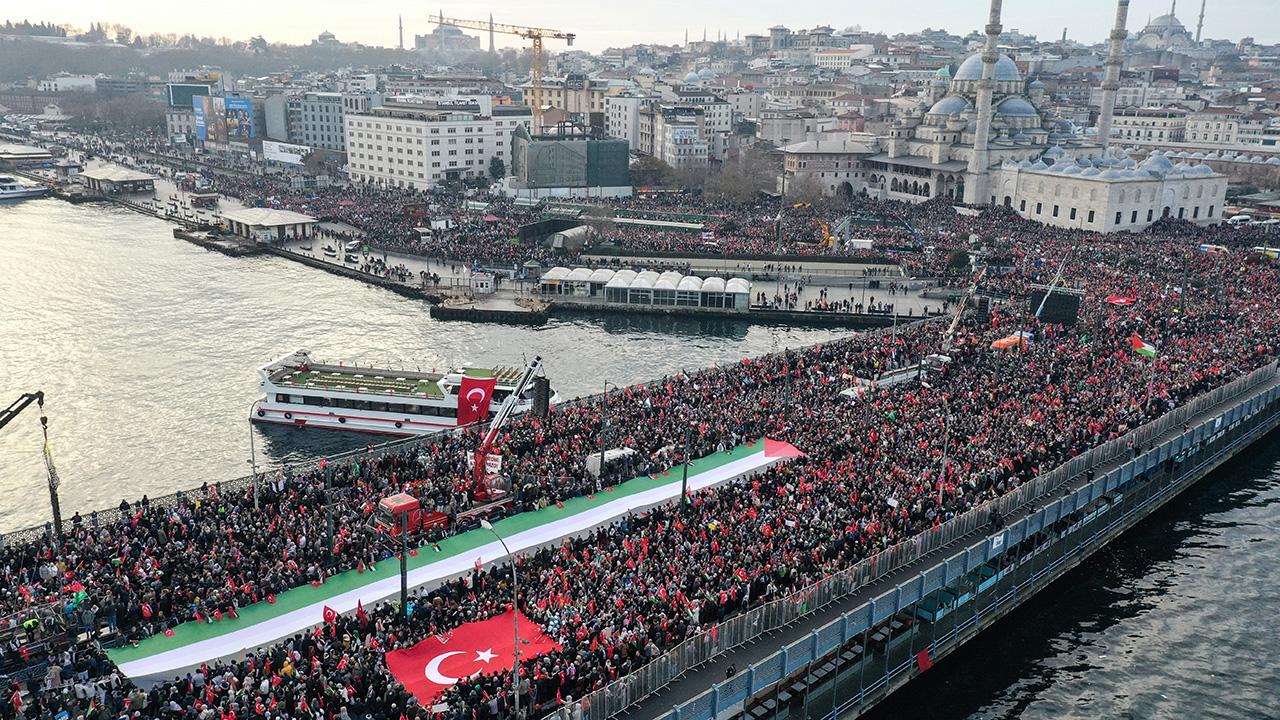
x,y
330,615
473,399
432,666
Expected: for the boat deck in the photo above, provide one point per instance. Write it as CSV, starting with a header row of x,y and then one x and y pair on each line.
x,y
382,382
340,381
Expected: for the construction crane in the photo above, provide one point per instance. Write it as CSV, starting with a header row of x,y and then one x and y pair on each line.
x,y
534,34
6,416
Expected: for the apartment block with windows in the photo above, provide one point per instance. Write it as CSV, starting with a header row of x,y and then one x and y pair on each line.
x,y
419,147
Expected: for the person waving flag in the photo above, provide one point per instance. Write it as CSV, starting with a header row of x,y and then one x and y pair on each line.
x,y
1142,348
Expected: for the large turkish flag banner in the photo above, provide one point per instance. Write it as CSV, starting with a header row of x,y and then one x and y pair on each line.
x,y
430,667
473,399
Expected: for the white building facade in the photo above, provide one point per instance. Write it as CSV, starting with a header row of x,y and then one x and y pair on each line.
x,y
418,148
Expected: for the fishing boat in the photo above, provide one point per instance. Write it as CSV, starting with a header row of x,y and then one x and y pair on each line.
x,y
303,392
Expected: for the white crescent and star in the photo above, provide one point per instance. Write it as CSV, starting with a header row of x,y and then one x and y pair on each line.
x,y
475,403
432,671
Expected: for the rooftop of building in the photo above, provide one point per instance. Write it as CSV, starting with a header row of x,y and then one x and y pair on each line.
x,y
266,217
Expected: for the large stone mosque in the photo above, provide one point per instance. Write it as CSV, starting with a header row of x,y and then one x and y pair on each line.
x,y
989,137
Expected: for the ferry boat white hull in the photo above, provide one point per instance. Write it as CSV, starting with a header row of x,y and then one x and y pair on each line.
x,y
305,394
307,416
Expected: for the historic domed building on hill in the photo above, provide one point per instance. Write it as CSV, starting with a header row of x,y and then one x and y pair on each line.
x,y
1165,32
989,137
930,149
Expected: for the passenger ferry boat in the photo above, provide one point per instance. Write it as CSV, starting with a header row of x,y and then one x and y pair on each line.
x,y
11,189
304,393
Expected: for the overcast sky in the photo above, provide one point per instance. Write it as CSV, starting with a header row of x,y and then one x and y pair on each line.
x,y
604,23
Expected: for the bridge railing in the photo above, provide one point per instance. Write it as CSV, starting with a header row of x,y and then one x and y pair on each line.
x,y
722,637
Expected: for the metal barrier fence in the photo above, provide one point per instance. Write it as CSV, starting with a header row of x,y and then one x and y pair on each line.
x,y
734,632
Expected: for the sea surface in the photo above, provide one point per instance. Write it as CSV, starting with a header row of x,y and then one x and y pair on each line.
x,y
147,349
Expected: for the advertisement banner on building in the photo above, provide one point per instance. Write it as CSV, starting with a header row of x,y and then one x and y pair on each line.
x,y
284,152
211,119
201,105
239,119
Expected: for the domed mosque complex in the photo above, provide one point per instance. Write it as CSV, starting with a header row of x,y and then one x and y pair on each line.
x,y
988,136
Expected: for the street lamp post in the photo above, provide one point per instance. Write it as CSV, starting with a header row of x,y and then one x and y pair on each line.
x,y
253,457
515,621
684,481
946,441
404,565
604,422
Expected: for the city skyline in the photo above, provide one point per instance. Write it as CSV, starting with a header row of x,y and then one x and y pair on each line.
x,y
664,22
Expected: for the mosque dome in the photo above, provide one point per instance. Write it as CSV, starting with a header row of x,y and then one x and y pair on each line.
x,y
1036,85
1165,23
1273,161
971,68
1157,164
949,105
706,73
692,78
1015,106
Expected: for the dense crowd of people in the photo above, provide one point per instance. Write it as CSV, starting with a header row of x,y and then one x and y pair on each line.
x,y
878,469
873,475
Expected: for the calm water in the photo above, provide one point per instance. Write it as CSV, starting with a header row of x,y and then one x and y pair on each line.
x,y
1175,619
147,348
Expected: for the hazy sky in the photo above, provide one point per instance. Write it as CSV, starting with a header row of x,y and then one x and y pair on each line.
x,y
604,23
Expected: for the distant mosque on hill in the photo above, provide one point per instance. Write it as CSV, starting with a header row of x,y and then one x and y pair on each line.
x,y
989,137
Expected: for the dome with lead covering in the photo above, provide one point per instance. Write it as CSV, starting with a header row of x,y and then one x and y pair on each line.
x,y
949,105
971,68
1015,106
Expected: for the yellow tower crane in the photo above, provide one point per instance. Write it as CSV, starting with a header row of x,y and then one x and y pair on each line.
x,y
534,34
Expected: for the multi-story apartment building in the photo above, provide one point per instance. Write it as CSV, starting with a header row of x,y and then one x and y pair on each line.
x,y
622,117
837,59
679,137
506,118
418,146
316,118
180,123
1259,129
574,93
1156,124
1216,125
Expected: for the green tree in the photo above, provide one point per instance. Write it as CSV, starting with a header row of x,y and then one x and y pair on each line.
x,y
497,168
650,172
804,189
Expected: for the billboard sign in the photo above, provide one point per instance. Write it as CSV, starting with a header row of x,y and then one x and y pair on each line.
x,y
211,119
202,107
239,119
284,152
180,94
